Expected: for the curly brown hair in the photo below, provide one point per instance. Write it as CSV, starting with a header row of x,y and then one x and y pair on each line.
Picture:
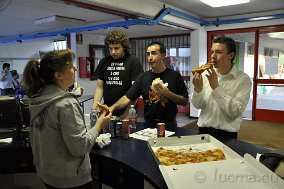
x,y
116,37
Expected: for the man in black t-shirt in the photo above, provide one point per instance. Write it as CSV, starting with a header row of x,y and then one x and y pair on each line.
x,y
116,72
161,99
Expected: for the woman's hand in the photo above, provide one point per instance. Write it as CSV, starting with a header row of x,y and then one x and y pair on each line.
x,y
103,121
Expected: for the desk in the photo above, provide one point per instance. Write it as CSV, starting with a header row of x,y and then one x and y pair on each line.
x,y
122,164
16,157
126,163
84,99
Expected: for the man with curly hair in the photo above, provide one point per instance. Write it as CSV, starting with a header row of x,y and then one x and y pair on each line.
x,y
116,72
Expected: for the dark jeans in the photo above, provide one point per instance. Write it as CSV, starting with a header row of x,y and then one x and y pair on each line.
x,y
7,92
218,133
85,186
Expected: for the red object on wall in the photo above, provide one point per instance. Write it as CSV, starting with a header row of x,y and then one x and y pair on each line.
x,y
86,67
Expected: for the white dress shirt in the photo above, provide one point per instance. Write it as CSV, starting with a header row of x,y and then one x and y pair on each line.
x,y
222,108
7,83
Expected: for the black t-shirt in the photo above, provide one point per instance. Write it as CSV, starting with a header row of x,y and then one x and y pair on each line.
x,y
117,75
157,107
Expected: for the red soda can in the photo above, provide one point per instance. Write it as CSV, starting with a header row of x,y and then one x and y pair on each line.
x,y
125,129
160,129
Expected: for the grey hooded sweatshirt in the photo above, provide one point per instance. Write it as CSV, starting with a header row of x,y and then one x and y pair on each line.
x,y
59,138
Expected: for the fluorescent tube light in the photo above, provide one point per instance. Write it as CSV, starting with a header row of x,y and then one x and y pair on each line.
x,y
59,20
173,26
276,35
261,18
222,3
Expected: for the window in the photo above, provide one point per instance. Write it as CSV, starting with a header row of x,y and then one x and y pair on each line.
x,y
178,51
250,49
268,52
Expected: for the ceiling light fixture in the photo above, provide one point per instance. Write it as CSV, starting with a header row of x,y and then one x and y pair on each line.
x,y
60,21
173,26
222,3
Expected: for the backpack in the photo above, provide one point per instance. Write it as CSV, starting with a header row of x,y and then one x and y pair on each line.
x,y
274,160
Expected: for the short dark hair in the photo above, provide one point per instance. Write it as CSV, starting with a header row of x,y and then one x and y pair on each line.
x,y
229,42
5,65
14,73
117,37
163,49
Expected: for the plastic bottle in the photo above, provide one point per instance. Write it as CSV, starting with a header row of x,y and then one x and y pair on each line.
x,y
93,118
132,115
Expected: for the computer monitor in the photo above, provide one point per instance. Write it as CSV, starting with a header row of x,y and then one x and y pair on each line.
x,y
10,116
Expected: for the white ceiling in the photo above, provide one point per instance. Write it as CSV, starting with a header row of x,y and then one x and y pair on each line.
x,y
254,6
17,16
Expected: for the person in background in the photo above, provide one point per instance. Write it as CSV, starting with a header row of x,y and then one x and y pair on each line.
x,y
160,101
6,81
19,91
15,81
222,93
116,73
59,138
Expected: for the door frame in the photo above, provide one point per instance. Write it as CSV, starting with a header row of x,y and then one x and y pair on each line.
x,y
257,114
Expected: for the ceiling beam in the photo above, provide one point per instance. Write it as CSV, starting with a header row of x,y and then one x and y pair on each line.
x,y
99,9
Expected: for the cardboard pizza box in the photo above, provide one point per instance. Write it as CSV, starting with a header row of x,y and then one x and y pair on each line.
x,y
193,143
234,172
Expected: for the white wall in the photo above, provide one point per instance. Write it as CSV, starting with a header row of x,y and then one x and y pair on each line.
x,y
146,8
198,57
83,51
18,54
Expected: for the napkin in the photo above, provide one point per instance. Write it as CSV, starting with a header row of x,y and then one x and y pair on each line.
x,y
148,133
103,140
77,91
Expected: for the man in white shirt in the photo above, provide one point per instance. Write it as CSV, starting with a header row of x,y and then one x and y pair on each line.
x,y
6,81
222,92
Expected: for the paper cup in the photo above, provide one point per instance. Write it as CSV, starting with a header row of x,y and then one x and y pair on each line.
x,y
87,120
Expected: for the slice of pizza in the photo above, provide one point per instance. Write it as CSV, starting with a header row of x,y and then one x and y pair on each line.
x,y
202,68
156,81
103,107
